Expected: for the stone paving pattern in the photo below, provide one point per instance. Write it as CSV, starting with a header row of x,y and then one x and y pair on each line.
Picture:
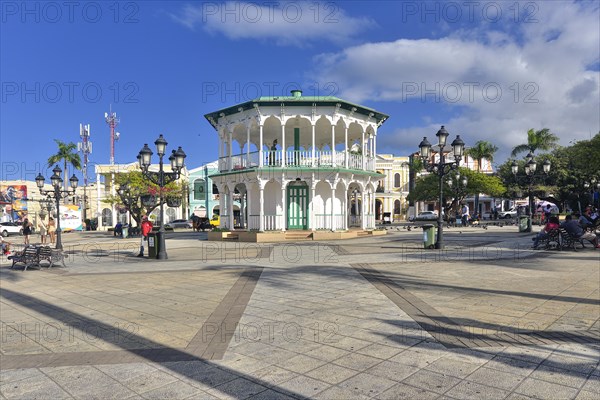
x,y
365,318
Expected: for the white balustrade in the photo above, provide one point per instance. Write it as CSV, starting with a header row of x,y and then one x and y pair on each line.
x,y
272,222
295,158
254,222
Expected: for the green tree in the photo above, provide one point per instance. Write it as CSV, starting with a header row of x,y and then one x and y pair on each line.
x,y
537,140
67,153
427,188
139,186
480,151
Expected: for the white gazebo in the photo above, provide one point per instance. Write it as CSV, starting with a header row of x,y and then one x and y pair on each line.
x,y
297,163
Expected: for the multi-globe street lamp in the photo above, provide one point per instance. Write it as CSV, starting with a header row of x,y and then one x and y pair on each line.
x,y
441,168
593,186
161,179
57,193
530,168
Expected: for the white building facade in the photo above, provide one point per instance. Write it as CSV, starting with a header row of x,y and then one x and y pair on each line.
x,y
297,163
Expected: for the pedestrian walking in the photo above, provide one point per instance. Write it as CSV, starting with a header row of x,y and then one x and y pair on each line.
x,y
146,229
26,230
43,228
52,230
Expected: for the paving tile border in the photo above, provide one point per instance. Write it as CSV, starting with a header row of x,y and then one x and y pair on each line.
x,y
225,318
449,334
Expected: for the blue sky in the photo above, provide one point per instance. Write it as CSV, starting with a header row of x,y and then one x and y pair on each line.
x,y
486,70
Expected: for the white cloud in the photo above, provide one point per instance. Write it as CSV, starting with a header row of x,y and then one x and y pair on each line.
x,y
287,23
546,61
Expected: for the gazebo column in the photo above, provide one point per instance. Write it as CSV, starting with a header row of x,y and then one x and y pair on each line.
x,y
374,149
313,154
333,209
283,206
363,219
98,197
249,208
230,150
230,207
347,151
247,146
222,205
333,145
261,213
313,226
363,150
261,158
282,144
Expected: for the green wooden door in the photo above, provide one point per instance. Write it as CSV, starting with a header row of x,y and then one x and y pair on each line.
x,y
297,207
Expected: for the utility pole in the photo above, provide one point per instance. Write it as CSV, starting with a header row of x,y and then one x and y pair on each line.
x,y
85,146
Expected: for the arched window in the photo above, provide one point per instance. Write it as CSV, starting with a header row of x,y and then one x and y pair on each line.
x,y
199,189
171,214
215,189
397,180
107,217
397,207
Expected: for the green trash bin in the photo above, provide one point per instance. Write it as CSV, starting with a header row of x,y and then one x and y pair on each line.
x,y
153,245
429,236
524,223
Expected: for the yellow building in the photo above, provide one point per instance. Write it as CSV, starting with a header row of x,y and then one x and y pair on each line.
x,y
391,192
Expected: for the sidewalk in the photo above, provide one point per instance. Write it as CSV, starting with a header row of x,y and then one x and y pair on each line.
x,y
366,318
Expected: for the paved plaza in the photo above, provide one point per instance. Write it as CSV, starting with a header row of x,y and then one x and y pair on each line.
x,y
375,317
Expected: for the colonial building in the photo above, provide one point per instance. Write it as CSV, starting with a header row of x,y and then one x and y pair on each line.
x,y
298,163
108,215
392,190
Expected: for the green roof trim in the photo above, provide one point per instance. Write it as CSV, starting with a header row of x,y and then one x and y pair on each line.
x,y
297,101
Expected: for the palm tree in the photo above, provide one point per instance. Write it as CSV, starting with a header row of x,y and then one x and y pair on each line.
x,y
67,153
537,140
482,149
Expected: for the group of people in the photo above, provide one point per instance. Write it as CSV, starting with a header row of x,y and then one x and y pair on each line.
x,y
579,226
45,229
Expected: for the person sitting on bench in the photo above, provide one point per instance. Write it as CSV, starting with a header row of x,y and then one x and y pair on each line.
x,y
552,224
574,229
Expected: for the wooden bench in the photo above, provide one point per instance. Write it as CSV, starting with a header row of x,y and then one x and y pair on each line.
x,y
28,257
51,255
34,255
567,241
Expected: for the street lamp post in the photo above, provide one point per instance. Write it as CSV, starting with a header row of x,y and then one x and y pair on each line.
x,y
530,168
441,168
57,193
161,179
461,184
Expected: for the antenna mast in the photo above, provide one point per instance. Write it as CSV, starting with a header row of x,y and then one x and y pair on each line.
x,y
112,121
85,146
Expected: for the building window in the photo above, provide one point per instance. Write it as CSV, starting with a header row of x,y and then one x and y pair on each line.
x,y
199,189
215,189
107,217
397,180
397,207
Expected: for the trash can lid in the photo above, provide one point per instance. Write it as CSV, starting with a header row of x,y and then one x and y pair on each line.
x,y
427,226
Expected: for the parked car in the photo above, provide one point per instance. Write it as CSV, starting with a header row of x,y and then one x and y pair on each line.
x,y
512,213
179,223
10,228
426,216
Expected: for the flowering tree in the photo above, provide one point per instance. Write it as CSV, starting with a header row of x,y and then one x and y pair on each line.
x,y
138,189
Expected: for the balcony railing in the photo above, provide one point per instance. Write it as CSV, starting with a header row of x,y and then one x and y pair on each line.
x,y
296,158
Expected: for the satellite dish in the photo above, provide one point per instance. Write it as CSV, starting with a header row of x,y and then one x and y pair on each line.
x,y
117,134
